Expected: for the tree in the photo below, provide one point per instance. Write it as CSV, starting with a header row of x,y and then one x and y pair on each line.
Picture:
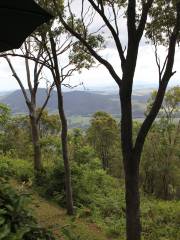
x,y
168,112
4,119
30,96
49,124
49,129
17,134
160,159
57,43
4,115
170,106
103,135
160,162
161,22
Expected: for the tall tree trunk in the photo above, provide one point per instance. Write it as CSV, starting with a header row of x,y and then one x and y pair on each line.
x,y
64,132
131,169
133,225
36,143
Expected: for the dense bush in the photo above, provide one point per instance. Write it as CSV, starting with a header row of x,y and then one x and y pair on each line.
x,y
16,222
99,197
160,168
6,167
18,168
160,219
96,194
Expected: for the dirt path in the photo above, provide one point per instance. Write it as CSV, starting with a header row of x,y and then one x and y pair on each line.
x,y
50,216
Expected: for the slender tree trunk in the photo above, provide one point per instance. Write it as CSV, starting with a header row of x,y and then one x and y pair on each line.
x,y
36,144
64,131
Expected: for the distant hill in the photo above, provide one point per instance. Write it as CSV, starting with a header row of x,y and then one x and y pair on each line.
x,y
16,102
79,103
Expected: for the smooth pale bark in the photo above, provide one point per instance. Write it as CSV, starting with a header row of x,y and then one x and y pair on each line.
x,y
36,144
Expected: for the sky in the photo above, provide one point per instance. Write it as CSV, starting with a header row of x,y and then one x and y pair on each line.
x,y
98,77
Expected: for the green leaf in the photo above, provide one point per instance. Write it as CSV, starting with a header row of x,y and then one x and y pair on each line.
x,y
4,231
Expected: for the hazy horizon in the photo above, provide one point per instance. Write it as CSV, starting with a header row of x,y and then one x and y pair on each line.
x,y
97,88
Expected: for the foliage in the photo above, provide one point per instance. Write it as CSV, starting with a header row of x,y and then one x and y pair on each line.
x,y
103,135
161,22
4,115
170,106
17,135
6,168
69,234
160,163
160,219
80,57
96,194
51,148
99,198
16,222
18,168
49,124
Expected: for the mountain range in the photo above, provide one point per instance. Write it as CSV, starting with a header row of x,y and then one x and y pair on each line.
x,y
79,103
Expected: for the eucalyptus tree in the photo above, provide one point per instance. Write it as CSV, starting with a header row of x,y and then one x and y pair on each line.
x,y
164,167
161,148
160,21
103,135
33,77
170,107
65,58
5,113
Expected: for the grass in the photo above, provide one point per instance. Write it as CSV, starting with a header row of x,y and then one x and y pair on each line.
x,y
50,216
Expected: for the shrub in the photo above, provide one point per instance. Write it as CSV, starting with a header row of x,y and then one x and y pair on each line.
x,y
6,169
18,168
97,195
16,222
23,169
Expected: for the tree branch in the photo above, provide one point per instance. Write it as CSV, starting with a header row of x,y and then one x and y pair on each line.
x,y
18,80
131,19
143,20
112,30
92,51
45,103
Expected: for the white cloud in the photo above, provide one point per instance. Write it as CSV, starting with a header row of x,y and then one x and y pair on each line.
x,y
146,71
